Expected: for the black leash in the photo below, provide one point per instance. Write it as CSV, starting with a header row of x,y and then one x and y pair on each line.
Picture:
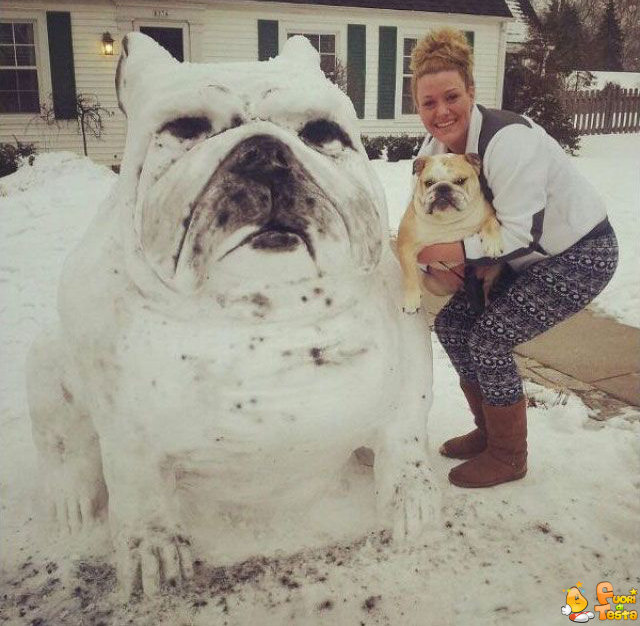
x,y
473,287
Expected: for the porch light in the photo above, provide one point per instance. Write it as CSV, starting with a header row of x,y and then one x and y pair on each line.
x,y
107,43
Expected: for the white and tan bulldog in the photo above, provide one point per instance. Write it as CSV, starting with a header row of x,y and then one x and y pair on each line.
x,y
447,205
228,324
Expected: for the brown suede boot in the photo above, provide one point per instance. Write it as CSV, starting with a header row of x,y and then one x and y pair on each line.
x,y
473,443
505,458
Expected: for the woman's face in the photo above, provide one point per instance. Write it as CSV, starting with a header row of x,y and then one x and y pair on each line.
x,y
444,106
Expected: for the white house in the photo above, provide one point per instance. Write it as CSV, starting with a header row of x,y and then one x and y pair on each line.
x,y
51,50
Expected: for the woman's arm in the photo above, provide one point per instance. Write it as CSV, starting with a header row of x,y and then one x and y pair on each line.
x,y
436,256
515,165
442,252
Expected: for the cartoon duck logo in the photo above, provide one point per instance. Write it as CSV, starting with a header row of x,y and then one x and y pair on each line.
x,y
576,605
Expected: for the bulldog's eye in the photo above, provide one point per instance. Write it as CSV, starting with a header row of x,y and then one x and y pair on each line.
x,y
320,133
429,182
187,127
459,181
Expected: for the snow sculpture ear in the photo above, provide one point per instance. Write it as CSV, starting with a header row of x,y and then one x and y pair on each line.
x,y
139,52
298,49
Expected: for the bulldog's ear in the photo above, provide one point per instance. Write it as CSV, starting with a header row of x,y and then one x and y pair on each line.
x,y
419,163
475,161
138,53
298,49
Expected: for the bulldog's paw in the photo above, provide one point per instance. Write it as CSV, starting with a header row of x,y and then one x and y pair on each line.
x,y
411,303
154,560
491,245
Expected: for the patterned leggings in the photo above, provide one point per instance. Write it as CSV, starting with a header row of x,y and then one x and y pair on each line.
x,y
522,306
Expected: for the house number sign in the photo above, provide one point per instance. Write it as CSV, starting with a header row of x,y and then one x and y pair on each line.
x,y
160,13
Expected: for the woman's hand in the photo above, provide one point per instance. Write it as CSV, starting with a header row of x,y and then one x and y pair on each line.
x,y
439,256
451,253
449,280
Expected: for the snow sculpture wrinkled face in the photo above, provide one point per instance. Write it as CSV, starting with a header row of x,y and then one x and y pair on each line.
x,y
237,169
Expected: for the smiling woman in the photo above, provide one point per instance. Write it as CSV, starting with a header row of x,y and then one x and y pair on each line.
x,y
559,253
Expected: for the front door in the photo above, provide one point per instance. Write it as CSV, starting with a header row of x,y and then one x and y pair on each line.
x,y
170,38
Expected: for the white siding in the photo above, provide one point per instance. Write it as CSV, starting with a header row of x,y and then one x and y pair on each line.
x,y
227,31
231,33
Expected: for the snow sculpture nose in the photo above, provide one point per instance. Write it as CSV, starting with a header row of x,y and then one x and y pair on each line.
x,y
263,159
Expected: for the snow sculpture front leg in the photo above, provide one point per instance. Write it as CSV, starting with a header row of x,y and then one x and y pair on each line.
x,y
407,493
152,549
66,440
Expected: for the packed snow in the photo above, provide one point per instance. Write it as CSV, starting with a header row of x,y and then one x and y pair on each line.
x,y
501,555
626,80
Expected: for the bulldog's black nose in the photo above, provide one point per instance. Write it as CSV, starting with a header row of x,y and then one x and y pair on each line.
x,y
262,158
442,189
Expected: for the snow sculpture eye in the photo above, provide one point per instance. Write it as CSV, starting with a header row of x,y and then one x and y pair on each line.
x,y
326,136
187,127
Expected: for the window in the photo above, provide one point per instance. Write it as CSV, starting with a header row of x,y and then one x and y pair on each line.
x,y
326,46
408,106
407,96
18,69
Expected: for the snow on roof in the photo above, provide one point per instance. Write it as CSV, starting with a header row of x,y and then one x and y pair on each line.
x,y
518,29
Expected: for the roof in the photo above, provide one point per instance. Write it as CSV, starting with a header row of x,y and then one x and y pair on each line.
x,y
495,8
529,12
523,11
518,30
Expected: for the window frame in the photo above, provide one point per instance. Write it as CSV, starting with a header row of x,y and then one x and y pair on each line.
x,y
319,35
40,40
403,75
338,30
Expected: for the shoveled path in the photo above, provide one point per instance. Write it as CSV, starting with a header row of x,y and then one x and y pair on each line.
x,y
588,354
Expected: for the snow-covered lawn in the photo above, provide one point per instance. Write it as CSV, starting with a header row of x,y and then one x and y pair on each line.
x,y
502,555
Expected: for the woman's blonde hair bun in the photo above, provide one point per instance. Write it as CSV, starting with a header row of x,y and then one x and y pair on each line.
x,y
442,49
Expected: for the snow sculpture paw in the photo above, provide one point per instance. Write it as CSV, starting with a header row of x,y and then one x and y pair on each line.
x,y
410,501
413,510
76,502
154,560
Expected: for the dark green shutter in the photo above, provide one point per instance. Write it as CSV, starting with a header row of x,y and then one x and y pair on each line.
x,y
356,65
63,78
267,39
470,35
387,50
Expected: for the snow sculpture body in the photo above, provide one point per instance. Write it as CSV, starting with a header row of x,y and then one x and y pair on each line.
x,y
231,318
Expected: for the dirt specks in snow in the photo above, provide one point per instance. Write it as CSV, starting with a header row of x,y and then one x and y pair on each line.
x,y
317,356
371,602
545,529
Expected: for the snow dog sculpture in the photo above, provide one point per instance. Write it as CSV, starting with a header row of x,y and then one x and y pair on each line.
x,y
230,322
